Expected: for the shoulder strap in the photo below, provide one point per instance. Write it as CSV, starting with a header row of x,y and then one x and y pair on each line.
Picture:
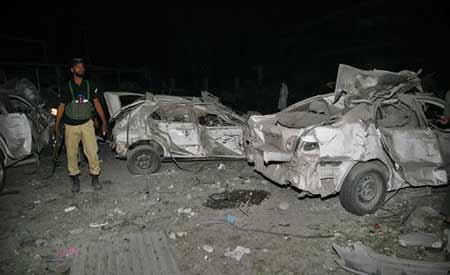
x,y
71,90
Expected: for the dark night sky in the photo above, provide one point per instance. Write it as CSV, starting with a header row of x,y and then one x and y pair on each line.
x,y
303,41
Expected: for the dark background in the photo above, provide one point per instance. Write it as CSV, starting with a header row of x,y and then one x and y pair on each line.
x,y
244,52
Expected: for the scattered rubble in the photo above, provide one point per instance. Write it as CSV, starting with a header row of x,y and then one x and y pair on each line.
x,y
70,209
172,236
41,243
181,234
236,198
208,248
360,259
76,231
231,219
422,239
98,224
283,206
237,253
421,219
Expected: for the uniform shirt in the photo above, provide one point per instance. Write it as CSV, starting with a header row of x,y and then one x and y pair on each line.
x,y
80,92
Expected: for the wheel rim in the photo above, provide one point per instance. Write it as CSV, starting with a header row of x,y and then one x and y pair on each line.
x,y
144,160
368,188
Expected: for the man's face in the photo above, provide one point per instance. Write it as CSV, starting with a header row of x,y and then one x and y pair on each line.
x,y
78,70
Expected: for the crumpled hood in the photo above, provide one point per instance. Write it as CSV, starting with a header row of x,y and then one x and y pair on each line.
x,y
366,84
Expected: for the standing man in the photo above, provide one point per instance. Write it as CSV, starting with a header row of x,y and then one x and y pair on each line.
x,y
78,102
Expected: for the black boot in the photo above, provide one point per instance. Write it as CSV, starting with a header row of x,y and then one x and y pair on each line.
x,y
96,183
75,184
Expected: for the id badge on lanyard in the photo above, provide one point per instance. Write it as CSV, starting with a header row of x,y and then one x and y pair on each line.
x,y
81,99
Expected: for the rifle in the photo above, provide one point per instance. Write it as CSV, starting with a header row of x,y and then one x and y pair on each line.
x,y
57,144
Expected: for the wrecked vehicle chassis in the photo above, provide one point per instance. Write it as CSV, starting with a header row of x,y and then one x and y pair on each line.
x,y
159,127
360,146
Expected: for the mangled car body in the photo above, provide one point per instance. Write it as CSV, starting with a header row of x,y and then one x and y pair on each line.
x,y
378,132
24,125
156,127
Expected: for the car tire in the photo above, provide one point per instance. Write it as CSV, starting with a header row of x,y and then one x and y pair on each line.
x,y
2,171
364,189
143,160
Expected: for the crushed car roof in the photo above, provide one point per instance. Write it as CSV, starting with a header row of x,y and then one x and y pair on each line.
x,y
367,84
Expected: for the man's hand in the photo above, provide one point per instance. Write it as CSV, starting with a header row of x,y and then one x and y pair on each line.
x,y
101,114
59,115
444,120
104,128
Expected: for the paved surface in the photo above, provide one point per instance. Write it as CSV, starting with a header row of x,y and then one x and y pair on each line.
x,y
137,253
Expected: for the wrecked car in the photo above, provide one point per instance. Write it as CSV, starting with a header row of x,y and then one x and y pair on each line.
x,y
158,127
24,125
378,132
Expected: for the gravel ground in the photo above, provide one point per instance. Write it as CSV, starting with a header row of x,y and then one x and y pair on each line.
x,y
283,234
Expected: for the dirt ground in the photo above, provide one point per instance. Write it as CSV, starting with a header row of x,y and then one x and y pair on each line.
x,y
284,234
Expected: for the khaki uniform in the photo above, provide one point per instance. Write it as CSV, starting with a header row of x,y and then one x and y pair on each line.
x,y
86,134
79,126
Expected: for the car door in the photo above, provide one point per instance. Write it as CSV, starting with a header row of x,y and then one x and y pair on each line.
x,y
433,109
183,135
411,145
38,119
221,136
16,133
116,100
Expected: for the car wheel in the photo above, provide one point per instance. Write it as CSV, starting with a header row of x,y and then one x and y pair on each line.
x,y
2,171
143,160
364,188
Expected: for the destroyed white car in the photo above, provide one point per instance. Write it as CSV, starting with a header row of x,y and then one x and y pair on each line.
x,y
157,127
24,125
378,132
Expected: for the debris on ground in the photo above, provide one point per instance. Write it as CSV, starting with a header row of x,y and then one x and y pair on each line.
x,y
421,239
186,211
361,259
118,211
70,209
237,253
236,198
231,219
422,218
76,231
131,254
172,236
98,224
283,206
181,234
221,167
68,252
208,248
41,243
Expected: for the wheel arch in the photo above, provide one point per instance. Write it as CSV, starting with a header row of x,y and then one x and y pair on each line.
x,y
154,143
383,164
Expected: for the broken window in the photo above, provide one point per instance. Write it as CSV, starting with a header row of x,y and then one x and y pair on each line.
x,y
175,113
211,120
397,115
433,114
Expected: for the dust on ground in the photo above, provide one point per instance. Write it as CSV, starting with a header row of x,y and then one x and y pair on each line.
x,y
205,212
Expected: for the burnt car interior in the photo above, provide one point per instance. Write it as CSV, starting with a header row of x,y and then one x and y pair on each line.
x,y
396,115
317,111
433,113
